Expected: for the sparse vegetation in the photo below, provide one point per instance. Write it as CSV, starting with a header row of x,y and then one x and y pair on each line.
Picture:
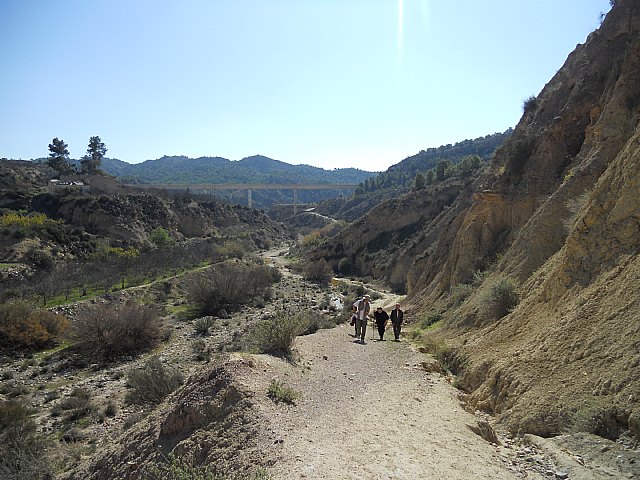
x,y
107,331
179,468
232,249
152,382
227,286
160,237
501,297
277,334
460,293
203,324
430,319
318,272
76,406
318,321
279,392
201,351
21,448
23,326
448,357
530,104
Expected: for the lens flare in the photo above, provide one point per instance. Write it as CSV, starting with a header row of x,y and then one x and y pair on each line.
x,y
400,26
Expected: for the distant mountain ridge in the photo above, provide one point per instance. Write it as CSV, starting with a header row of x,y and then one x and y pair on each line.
x,y
254,169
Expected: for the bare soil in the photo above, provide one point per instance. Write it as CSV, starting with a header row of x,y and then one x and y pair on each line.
x,y
372,411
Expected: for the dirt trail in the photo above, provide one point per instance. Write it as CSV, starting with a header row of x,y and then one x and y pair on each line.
x,y
371,412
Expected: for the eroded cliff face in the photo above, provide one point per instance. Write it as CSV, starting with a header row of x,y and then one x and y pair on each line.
x,y
558,212
386,242
562,145
570,351
562,218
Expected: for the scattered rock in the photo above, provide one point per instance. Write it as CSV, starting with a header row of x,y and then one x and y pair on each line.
x,y
486,431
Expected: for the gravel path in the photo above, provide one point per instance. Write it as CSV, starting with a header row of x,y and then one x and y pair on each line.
x,y
372,412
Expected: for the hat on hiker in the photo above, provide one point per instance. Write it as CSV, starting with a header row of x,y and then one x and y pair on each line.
x,y
367,297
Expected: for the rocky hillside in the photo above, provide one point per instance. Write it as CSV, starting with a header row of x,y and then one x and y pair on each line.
x,y
131,218
73,225
21,180
400,178
556,220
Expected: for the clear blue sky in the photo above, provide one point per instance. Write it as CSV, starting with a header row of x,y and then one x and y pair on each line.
x,y
330,83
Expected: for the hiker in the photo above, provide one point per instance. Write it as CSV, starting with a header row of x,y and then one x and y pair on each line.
x,y
363,306
381,321
396,321
354,317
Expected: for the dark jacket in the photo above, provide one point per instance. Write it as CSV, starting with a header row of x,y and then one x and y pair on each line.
x,y
380,316
396,316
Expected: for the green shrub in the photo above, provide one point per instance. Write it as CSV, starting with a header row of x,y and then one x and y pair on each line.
x,y
319,321
430,319
160,237
200,350
230,285
21,448
310,240
21,325
16,219
345,267
76,406
318,272
279,392
110,409
110,331
530,104
450,360
277,334
40,259
231,249
203,324
478,277
151,383
501,297
460,293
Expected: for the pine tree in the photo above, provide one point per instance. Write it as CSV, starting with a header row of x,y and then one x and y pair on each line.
x,y
90,163
59,157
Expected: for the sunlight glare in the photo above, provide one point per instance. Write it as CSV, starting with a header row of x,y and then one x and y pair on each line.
x,y
400,26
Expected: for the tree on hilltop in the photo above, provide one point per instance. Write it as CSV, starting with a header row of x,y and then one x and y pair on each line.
x,y
420,182
96,151
59,157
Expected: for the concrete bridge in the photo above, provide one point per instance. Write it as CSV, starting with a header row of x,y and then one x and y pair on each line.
x,y
211,188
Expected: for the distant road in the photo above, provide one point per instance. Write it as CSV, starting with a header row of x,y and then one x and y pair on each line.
x,y
245,186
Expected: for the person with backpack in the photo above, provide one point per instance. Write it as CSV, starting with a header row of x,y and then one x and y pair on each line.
x,y
354,317
381,321
362,307
396,320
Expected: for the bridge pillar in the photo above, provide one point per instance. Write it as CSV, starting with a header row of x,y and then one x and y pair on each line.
x,y
249,202
295,201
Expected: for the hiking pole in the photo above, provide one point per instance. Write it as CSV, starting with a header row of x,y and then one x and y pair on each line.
x,y
372,333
